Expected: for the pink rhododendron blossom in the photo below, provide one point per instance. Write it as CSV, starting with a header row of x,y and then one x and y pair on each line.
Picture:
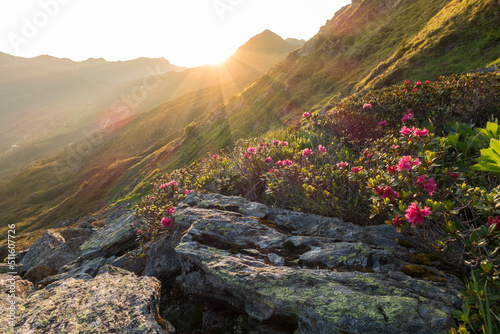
x,y
260,148
421,133
251,150
322,149
415,90
407,117
396,221
415,215
453,176
246,155
166,222
216,156
287,162
406,163
428,184
356,169
427,82
392,169
171,211
306,152
262,144
418,83
268,160
367,105
151,198
306,115
406,131
386,192
163,186
187,192
367,154
495,220
284,143
139,232
395,147
172,184
279,163
383,123
407,82
275,143
343,164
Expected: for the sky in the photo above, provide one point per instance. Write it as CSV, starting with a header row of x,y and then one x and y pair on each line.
x,y
186,32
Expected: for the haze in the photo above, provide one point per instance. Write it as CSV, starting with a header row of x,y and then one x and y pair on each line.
x,y
188,32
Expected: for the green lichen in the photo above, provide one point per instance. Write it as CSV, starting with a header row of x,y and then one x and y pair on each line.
x,y
423,259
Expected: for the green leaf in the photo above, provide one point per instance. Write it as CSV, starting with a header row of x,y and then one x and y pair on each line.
x,y
490,158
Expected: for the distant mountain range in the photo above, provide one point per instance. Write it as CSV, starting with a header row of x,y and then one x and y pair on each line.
x,y
47,103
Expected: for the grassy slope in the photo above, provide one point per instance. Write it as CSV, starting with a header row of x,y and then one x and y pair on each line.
x,y
354,51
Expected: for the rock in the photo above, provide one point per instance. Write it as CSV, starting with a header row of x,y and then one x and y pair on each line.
x,y
66,223
315,274
41,248
135,265
13,291
73,233
118,235
113,302
162,260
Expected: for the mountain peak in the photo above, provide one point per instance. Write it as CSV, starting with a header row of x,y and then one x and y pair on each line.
x,y
266,41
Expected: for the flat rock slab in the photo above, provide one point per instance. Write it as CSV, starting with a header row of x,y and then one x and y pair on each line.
x,y
264,262
113,302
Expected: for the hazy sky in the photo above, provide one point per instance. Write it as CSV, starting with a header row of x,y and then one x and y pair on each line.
x,y
186,32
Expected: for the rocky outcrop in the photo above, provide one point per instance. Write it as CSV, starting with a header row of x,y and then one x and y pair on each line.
x,y
113,302
318,274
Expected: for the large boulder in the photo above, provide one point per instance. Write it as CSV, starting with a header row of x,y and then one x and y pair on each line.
x,y
316,274
115,301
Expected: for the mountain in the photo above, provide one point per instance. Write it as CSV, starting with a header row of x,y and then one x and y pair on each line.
x,y
49,103
367,44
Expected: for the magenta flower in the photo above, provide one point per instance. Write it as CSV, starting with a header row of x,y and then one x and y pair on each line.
x,y
260,148
166,222
187,192
421,133
427,82
279,163
306,152
251,150
139,232
407,117
275,143
453,176
151,198
383,123
172,184
386,192
322,149
418,83
415,215
268,160
284,143
171,211
428,184
495,220
163,186
392,169
356,169
415,90
406,131
343,164
287,162
262,144
367,154
306,115
396,221
216,156
406,163
246,155
367,105
407,82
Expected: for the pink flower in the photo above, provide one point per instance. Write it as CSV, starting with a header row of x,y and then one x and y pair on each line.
x,y
216,156
268,160
171,211
343,164
453,176
287,162
279,163
163,186
172,184
275,143
421,133
407,117
322,149
495,220
251,150
306,115
415,215
418,83
166,222
415,90
383,123
367,154
260,148
306,152
406,163
356,169
427,82
428,184
367,105
386,192
392,169
262,144
406,131
407,82
187,192
396,221
139,232
246,155
151,198
284,143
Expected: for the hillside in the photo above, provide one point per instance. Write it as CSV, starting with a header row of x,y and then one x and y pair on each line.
x,y
365,45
